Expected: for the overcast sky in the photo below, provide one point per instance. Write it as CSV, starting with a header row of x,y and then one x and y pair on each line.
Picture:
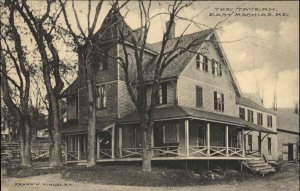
x,y
268,54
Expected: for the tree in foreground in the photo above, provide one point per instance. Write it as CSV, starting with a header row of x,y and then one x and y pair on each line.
x,y
87,46
134,58
44,41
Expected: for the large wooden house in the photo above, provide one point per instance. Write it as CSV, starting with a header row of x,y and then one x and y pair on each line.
x,y
202,113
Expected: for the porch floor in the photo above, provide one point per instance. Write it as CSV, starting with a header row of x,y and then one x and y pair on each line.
x,y
168,158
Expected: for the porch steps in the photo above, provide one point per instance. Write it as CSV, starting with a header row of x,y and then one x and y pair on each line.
x,y
259,166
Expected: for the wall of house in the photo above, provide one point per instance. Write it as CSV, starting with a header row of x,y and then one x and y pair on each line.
x,y
283,139
125,105
265,120
192,77
264,145
108,113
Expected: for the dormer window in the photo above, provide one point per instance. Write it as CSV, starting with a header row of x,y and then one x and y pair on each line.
x,y
202,63
269,120
216,68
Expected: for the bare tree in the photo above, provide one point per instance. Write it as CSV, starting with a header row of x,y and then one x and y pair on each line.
x,y
86,46
18,101
44,40
164,56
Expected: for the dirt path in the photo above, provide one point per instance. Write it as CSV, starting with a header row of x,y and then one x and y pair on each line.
x,y
285,180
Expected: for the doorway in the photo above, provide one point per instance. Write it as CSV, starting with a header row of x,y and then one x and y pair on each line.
x,y
290,152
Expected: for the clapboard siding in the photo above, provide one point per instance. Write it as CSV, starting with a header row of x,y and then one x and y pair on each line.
x,y
187,96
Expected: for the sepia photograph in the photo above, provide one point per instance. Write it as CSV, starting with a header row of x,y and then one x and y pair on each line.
x,y
149,95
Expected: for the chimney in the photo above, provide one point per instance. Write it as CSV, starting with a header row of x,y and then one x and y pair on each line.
x,y
172,30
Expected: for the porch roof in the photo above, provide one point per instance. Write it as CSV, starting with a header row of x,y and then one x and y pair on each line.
x,y
82,128
177,112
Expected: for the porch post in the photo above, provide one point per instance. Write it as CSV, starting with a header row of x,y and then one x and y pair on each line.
x,y
120,141
152,141
226,141
113,142
187,141
208,138
243,144
259,146
98,146
78,147
66,148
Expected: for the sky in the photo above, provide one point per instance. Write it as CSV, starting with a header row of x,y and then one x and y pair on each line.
x,y
260,39
266,55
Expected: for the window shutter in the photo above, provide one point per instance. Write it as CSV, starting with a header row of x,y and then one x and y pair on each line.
x,y
215,101
222,102
198,61
213,67
199,97
164,93
220,69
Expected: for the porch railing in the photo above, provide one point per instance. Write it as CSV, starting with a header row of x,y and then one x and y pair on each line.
x,y
165,151
72,155
233,151
198,151
129,153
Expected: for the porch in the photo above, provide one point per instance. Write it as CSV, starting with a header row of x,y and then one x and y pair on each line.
x,y
183,139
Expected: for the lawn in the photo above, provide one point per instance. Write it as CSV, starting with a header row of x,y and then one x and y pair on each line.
x,y
131,175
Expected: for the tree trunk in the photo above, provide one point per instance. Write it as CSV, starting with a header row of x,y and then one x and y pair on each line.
x,y
25,144
56,158
147,131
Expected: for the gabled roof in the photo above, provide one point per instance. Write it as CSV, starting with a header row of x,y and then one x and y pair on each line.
x,y
177,66
178,112
287,119
252,104
71,89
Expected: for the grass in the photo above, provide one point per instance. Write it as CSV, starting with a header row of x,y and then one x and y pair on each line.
x,y
133,176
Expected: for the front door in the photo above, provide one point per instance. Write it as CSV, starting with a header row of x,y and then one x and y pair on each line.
x,y
290,152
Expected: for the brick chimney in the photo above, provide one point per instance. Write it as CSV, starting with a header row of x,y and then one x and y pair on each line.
x,y
172,31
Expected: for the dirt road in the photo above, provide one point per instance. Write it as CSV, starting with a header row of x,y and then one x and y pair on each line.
x,y
288,179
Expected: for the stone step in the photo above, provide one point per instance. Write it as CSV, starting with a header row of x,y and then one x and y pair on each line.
x,y
263,168
267,171
259,164
255,161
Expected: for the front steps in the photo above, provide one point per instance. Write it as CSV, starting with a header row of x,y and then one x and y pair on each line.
x,y
259,166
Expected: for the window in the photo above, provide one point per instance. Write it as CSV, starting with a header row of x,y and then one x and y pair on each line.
x,y
202,62
101,96
163,94
269,145
242,113
269,117
103,62
199,97
250,142
171,133
216,68
259,118
218,101
250,116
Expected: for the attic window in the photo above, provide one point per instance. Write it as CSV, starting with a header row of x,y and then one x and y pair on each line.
x,y
202,63
216,68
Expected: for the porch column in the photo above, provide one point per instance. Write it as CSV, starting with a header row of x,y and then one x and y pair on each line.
x,y
98,146
208,138
113,142
226,141
152,141
187,141
78,147
259,144
66,149
243,144
120,141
